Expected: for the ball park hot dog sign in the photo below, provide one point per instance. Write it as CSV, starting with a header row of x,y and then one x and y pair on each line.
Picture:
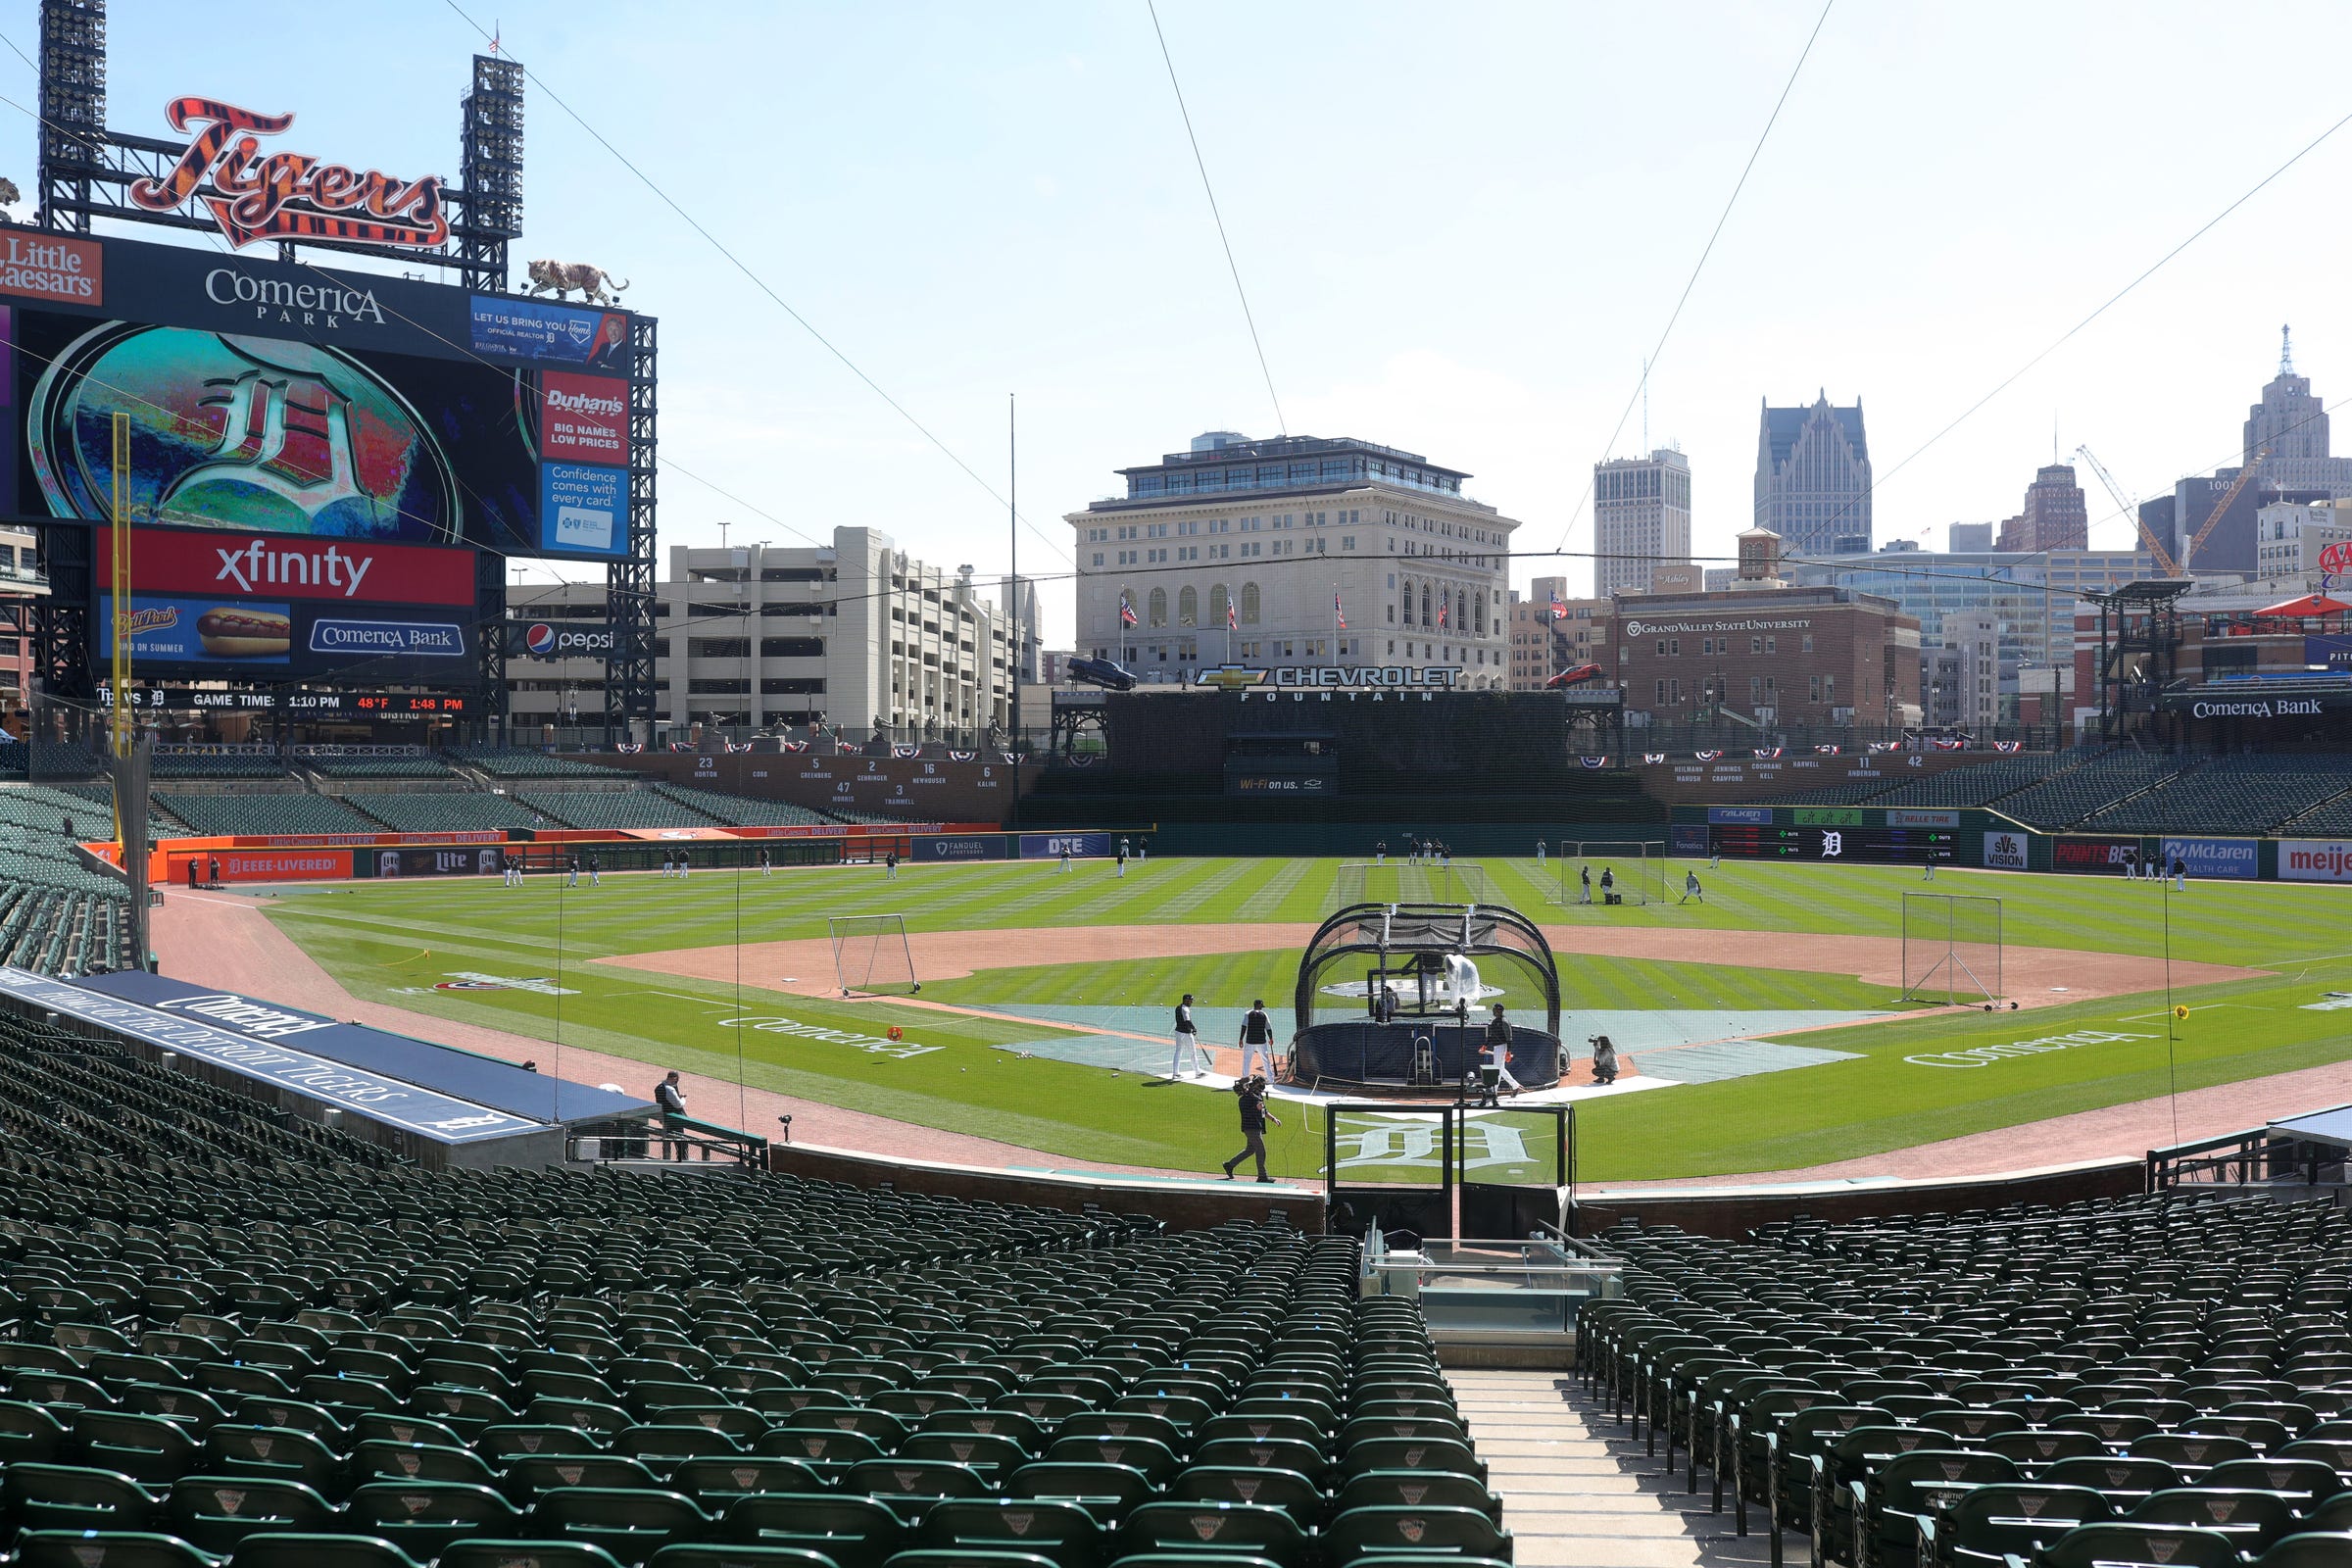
x,y
253,195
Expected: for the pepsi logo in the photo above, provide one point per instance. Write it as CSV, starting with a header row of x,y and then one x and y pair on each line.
x,y
541,639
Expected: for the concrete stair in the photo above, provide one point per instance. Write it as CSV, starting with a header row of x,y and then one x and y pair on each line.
x,y
1579,1493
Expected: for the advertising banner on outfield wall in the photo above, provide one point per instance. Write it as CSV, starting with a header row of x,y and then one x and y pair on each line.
x,y
957,847
2108,856
1054,846
2239,859
2009,851
468,861
1690,838
1742,815
2315,859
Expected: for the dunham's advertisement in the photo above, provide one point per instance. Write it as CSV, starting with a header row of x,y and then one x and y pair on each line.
x,y
2315,861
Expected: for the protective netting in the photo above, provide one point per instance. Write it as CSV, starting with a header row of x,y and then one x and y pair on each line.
x,y
1589,870
1951,947
872,956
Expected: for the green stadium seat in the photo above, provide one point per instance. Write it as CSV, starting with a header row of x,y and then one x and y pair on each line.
x,y
58,1548
425,1518
2121,1545
215,1512
1158,1527
295,1550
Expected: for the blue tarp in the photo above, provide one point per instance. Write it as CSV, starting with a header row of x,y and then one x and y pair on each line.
x,y
459,1074
2320,1127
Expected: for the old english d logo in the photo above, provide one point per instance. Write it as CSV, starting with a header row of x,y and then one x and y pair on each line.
x,y
1412,1529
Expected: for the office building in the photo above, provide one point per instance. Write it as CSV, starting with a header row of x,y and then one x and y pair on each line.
x,y
1813,483
2055,517
1641,520
2291,425
2289,536
857,634
1768,655
2031,598
1550,632
1967,536
1296,551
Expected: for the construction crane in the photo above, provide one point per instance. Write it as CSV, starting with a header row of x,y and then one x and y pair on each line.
x,y
2147,535
2245,477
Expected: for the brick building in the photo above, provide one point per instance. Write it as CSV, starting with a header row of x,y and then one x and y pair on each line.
x,y
1772,656
1544,643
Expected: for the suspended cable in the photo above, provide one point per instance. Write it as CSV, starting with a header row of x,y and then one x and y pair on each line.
x,y
1642,388
760,283
1223,238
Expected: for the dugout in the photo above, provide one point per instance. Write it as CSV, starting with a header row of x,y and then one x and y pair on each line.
x,y
1429,1042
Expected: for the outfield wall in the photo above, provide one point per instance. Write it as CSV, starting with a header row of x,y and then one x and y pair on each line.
x,y
1982,839
1731,1212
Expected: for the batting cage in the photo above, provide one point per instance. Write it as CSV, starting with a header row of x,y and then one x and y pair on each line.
x,y
1397,997
1951,947
872,956
1636,872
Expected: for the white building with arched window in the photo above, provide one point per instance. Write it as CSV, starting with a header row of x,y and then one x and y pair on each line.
x,y
1293,551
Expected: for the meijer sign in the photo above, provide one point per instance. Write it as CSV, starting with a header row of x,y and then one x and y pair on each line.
x,y
2315,861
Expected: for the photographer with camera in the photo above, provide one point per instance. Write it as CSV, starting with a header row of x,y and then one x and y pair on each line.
x,y
1604,1059
1251,1093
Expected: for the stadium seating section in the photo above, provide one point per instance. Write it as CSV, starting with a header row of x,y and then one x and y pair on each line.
x,y
2232,794
419,766
444,812
741,812
2067,797
613,808
1977,784
200,764
2157,1380
244,814
505,762
231,1338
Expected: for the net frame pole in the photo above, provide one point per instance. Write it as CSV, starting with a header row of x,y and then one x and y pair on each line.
x,y
1648,856
1942,947
843,930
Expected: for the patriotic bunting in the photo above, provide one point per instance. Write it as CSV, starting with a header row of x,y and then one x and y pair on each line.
x,y
961,756
1826,751
1766,752
2008,747
1706,756
628,748
1593,761
1653,756
902,753
796,746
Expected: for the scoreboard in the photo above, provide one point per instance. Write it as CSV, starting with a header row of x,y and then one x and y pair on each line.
x,y
1899,846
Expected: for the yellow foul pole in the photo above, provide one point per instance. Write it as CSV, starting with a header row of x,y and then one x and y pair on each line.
x,y
122,592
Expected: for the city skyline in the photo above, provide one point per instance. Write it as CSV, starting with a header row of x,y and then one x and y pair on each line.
x,y
971,206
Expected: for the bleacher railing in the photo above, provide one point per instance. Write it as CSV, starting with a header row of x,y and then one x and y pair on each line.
x,y
671,1139
2253,1158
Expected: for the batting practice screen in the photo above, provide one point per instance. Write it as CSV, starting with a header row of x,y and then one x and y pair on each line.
x,y
1951,947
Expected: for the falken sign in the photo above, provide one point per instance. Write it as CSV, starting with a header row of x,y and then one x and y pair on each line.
x,y
281,195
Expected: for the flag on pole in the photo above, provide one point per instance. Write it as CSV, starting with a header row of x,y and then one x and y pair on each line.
x,y
1339,611
1126,612
1230,620
1441,613
1560,608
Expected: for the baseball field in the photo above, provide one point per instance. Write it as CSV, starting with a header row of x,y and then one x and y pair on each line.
x,y
1046,995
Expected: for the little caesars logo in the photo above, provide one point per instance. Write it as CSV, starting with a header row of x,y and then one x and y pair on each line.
x,y
42,268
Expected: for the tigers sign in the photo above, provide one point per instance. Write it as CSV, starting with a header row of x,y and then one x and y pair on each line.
x,y
285,195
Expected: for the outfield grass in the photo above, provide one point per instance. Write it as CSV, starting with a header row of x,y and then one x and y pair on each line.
x,y
393,942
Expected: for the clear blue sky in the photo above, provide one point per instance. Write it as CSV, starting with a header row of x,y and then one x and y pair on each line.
x,y
1461,228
